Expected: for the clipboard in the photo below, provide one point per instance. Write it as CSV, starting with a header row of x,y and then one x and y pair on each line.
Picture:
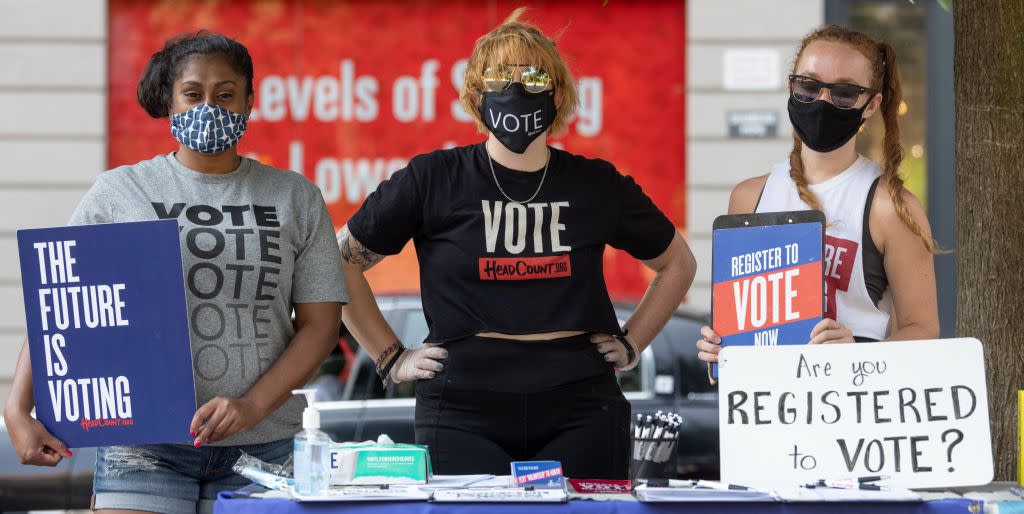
x,y
768,284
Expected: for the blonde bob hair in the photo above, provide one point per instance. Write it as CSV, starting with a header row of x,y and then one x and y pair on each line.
x,y
517,42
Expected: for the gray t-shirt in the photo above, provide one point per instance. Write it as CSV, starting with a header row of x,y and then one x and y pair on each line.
x,y
254,242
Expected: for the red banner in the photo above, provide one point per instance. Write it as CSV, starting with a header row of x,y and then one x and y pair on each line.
x,y
347,92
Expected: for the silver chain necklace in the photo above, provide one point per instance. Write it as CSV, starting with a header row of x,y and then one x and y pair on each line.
x,y
503,193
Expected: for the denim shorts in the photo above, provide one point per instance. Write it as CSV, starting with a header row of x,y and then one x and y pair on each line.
x,y
173,478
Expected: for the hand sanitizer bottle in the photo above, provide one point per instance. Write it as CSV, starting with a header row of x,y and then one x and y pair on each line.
x,y
312,451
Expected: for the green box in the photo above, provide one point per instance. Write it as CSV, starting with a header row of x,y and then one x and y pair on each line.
x,y
379,464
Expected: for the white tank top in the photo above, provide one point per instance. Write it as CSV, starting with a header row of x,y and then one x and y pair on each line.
x,y
843,198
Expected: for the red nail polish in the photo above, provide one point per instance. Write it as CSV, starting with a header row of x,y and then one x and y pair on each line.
x,y
193,434
69,453
198,444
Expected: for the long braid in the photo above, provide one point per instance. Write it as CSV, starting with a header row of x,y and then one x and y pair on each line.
x,y
892,150
796,173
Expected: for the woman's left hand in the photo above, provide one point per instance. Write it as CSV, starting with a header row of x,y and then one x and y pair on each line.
x,y
615,352
222,417
829,331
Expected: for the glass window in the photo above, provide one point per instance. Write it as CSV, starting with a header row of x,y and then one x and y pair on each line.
x,y
902,24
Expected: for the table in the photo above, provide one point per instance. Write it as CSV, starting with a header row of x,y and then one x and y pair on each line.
x,y
225,505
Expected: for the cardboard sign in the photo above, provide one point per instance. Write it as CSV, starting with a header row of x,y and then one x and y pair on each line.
x,y
915,411
767,281
108,333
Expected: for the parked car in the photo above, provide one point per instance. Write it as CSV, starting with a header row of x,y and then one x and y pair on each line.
x,y
355,407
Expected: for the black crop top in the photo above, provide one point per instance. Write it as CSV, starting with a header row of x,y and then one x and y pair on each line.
x,y
490,265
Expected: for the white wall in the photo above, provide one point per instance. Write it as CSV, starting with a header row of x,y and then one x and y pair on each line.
x,y
53,87
715,163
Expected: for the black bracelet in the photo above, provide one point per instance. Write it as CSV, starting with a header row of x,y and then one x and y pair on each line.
x,y
386,371
630,351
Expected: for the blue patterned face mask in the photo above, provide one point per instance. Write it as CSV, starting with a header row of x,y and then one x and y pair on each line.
x,y
208,128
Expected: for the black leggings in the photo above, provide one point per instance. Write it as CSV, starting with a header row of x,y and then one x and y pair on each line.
x,y
499,401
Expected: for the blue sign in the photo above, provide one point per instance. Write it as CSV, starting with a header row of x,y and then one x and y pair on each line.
x,y
539,474
767,284
108,332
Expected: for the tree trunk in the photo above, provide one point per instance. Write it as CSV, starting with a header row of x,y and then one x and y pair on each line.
x,y
989,80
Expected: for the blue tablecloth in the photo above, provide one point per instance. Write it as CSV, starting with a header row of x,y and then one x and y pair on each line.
x,y
225,505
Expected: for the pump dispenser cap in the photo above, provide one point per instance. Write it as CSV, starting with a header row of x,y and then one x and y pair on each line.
x,y
310,416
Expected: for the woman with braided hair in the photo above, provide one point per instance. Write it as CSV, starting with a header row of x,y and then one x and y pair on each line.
x,y
878,250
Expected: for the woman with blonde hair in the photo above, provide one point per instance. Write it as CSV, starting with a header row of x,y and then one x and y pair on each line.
x,y
509,233
878,252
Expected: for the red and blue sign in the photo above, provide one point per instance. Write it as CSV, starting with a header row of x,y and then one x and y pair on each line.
x,y
767,283
539,474
108,332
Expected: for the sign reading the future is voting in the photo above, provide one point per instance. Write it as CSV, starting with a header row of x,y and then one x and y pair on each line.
x,y
914,411
108,333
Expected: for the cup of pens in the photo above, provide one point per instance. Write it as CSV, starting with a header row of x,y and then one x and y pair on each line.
x,y
654,446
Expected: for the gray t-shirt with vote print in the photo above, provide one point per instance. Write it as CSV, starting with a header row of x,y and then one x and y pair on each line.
x,y
254,242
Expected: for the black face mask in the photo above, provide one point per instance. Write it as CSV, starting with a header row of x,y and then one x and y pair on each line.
x,y
516,117
822,126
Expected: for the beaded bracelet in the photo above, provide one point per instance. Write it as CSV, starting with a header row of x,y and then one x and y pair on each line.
x,y
387,351
379,363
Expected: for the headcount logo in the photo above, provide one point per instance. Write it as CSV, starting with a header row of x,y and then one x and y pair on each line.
x,y
64,303
530,227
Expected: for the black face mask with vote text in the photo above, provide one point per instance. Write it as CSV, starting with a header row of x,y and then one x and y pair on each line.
x,y
516,117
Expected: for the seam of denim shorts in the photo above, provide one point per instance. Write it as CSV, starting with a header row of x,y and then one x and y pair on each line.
x,y
143,502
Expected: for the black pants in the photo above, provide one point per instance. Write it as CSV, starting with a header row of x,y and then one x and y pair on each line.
x,y
499,401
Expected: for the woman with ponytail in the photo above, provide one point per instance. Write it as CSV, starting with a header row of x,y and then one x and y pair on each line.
x,y
878,255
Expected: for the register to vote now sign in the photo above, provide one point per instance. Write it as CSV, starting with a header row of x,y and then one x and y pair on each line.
x,y
917,411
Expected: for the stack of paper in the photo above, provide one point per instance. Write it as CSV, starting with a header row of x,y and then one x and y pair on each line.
x,y
367,493
456,482
500,495
699,492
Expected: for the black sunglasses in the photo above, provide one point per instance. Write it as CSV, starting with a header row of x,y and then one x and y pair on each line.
x,y
844,96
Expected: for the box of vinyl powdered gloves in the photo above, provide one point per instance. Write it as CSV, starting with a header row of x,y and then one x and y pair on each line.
x,y
379,464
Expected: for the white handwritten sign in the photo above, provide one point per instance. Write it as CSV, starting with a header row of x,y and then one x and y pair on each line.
x,y
916,411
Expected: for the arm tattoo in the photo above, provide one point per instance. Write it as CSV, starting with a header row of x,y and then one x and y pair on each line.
x,y
354,252
655,280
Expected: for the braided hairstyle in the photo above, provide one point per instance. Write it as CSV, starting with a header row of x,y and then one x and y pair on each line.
x,y
886,79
